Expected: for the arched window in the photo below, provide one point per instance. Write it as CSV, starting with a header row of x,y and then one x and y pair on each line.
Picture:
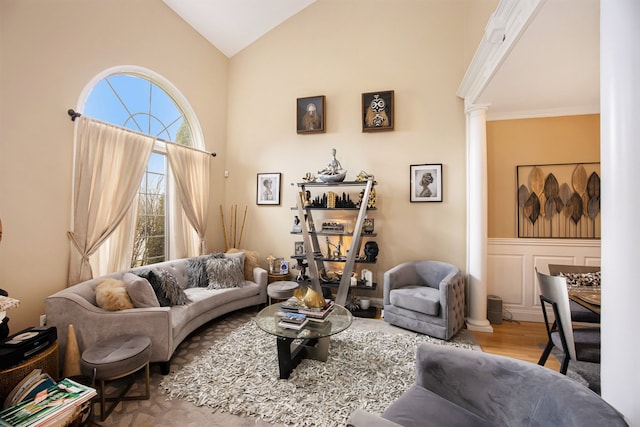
x,y
142,101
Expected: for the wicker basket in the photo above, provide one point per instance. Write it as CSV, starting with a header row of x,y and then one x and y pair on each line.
x,y
47,360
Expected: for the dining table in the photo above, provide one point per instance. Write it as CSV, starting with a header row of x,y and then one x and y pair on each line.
x,y
586,296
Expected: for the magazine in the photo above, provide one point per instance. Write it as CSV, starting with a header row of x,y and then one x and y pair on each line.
x,y
47,405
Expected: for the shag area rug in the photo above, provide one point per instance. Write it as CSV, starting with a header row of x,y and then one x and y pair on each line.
x,y
366,369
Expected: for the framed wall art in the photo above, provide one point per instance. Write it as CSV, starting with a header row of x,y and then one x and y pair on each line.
x,y
559,201
310,114
426,183
299,248
268,189
377,111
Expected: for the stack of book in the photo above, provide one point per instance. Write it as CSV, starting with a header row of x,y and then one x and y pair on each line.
x,y
54,405
292,320
312,314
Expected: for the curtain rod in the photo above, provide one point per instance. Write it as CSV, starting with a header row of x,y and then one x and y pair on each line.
x,y
74,115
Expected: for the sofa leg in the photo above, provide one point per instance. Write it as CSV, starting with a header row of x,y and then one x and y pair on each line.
x,y
165,368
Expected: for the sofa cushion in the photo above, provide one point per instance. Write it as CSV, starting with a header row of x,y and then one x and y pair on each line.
x,y
582,279
197,272
225,273
165,287
111,295
422,299
250,261
418,406
140,291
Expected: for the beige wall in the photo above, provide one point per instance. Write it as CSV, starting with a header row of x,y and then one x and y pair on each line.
x,y
50,51
246,107
569,139
419,49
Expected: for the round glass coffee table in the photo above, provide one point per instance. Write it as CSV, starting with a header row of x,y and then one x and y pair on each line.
x,y
311,342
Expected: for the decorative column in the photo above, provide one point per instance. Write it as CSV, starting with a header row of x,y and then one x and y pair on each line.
x,y
619,154
477,218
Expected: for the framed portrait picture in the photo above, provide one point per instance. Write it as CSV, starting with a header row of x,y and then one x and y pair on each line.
x,y
426,183
268,189
377,111
310,114
298,248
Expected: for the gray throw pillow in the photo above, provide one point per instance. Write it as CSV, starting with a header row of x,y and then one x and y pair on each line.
x,y
140,291
166,287
197,272
225,273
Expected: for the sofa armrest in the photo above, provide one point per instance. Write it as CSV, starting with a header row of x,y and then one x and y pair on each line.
x,y
93,324
398,276
360,418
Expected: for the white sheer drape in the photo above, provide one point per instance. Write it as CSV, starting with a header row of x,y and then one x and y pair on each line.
x,y
116,252
191,173
109,163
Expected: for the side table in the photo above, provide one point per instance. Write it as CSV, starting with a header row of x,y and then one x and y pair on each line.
x,y
47,360
277,277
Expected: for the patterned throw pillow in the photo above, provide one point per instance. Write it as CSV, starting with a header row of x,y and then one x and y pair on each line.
x,y
225,273
197,272
582,279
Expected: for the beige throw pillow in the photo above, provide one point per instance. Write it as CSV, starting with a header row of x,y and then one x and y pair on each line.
x,y
111,295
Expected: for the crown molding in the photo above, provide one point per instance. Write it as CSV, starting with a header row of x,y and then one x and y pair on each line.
x,y
504,29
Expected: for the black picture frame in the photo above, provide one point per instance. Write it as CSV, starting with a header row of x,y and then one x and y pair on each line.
x,y
268,188
310,114
425,182
378,111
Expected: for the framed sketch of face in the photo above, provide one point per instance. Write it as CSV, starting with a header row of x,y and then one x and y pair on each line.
x,y
425,183
268,189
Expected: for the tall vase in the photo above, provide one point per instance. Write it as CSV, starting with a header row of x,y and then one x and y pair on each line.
x,y
72,355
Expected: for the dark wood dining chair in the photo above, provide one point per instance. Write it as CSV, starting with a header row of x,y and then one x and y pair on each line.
x,y
581,344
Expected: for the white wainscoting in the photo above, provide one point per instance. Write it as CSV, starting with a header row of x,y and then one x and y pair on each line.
x,y
511,274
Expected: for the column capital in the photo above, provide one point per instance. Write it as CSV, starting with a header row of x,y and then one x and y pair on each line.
x,y
470,107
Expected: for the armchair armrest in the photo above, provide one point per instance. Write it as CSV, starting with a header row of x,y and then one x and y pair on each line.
x,y
360,418
400,275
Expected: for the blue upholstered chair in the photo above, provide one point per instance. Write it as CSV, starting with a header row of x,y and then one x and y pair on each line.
x,y
426,297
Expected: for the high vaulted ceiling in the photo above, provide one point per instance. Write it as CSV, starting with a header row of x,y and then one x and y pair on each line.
x,y
552,70
232,25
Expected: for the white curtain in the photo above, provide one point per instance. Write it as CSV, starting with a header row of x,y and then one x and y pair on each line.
x,y
108,167
191,173
116,252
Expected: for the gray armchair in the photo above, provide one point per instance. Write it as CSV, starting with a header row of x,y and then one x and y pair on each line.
x,y
459,387
425,297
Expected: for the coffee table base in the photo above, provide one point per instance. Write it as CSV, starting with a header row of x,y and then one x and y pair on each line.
x,y
289,358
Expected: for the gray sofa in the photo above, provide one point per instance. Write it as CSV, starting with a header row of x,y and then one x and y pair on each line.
x,y
167,326
458,387
426,297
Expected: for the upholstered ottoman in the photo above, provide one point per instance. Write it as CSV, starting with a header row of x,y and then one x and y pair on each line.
x,y
281,290
116,358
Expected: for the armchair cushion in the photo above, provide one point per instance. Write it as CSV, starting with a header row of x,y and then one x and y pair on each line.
x,y
422,299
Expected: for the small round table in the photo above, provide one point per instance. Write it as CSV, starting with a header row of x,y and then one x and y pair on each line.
x,y
313,338
281,290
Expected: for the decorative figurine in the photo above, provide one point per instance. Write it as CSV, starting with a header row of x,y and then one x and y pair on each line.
x,y
334,171
371,251
270,260
363,176
309,177
296,225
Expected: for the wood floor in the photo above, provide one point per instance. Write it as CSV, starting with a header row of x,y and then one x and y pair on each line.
x,y
520,340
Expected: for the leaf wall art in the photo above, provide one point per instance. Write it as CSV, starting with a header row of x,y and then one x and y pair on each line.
x,y
559,201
